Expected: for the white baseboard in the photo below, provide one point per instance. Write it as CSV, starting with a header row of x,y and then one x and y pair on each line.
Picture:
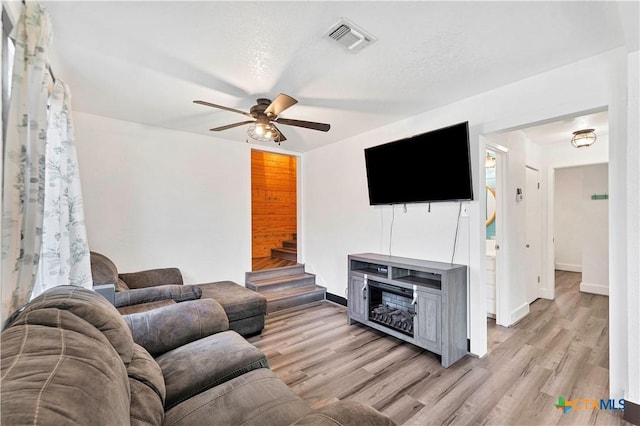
x,y
546,293
594,288
568,267
519,313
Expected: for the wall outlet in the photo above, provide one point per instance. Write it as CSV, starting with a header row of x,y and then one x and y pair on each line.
x,y
465,210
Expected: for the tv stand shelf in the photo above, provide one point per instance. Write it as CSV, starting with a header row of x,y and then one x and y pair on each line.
x,y
418,301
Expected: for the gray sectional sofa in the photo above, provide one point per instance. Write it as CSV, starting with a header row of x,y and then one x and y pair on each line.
x,y
69,357
144,290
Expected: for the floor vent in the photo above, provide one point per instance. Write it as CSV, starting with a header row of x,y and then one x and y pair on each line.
x,y
350,36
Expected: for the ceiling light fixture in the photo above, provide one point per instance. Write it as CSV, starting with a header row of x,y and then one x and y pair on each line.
x,y
583,138
263,132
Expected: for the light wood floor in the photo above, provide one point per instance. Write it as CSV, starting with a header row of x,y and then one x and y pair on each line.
x,y
559,349
262,263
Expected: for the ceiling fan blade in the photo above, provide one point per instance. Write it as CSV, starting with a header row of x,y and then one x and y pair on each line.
x,y
231,126
306,124
281,137
279,104
222,107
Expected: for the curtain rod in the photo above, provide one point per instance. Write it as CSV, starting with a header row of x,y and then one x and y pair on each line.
x,y
53,77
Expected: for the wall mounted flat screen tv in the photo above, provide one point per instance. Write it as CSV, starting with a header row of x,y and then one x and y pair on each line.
x,y
430,167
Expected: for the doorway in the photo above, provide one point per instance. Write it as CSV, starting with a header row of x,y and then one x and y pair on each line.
x,y
495,183
274,241
581,217
537,148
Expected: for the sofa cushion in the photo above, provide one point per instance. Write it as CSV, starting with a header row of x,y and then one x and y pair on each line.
x,y
179,293
258,398
238,301
104,271
205,363
166,328
147,389
90,307
59,369
153,277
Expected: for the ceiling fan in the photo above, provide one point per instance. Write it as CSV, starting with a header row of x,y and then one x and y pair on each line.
x,y
264,116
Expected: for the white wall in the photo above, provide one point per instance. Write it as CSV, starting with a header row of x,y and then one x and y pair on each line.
x,y
581,225
512,291
595,231
337,217
156,198
632,230
568,219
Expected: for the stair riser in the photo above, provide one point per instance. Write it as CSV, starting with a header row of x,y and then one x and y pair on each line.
x,y
300,299
278,287
281,254
290,244
274,273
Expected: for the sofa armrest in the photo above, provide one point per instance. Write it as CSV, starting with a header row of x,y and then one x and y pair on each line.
x,y
345,413
163,329
179,293
152,278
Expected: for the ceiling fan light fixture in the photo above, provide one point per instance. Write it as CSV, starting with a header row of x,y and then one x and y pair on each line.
x,y
583,138
265,114
261,133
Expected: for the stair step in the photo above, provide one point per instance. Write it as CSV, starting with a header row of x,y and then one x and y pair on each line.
x,y
292,244
285,271
278,284
285,253
294,297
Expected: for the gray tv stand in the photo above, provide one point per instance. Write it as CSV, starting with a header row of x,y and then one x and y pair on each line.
x,y
418,301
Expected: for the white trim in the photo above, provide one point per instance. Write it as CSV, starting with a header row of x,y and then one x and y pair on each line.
x,y
594,288
519,313
570,267
501,265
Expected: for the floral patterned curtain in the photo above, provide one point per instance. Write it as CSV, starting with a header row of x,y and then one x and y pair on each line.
x,y
28,161
64,257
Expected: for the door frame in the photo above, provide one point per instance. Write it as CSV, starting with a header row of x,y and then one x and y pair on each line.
x,y
502,161
299,199
538,230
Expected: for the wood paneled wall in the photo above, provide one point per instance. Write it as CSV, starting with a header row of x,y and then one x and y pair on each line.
x,y
273,201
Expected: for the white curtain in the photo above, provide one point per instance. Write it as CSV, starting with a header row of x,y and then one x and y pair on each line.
x,y
28,161
64,257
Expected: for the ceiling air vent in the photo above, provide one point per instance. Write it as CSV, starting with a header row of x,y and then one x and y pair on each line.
x,y
350,36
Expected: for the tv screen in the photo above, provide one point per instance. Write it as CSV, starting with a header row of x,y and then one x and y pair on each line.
x,y
429,167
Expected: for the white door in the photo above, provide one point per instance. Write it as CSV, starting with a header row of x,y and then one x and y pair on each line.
x,y
533,231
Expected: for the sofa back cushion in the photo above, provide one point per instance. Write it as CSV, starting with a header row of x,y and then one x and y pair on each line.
x,y
57,368
153,277
90,307
104,271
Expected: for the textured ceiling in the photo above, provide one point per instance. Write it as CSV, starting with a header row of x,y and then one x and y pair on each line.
x,y
561,131
147,61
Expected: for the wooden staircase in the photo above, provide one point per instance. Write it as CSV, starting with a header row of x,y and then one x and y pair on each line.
x,y
288,251
285,287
